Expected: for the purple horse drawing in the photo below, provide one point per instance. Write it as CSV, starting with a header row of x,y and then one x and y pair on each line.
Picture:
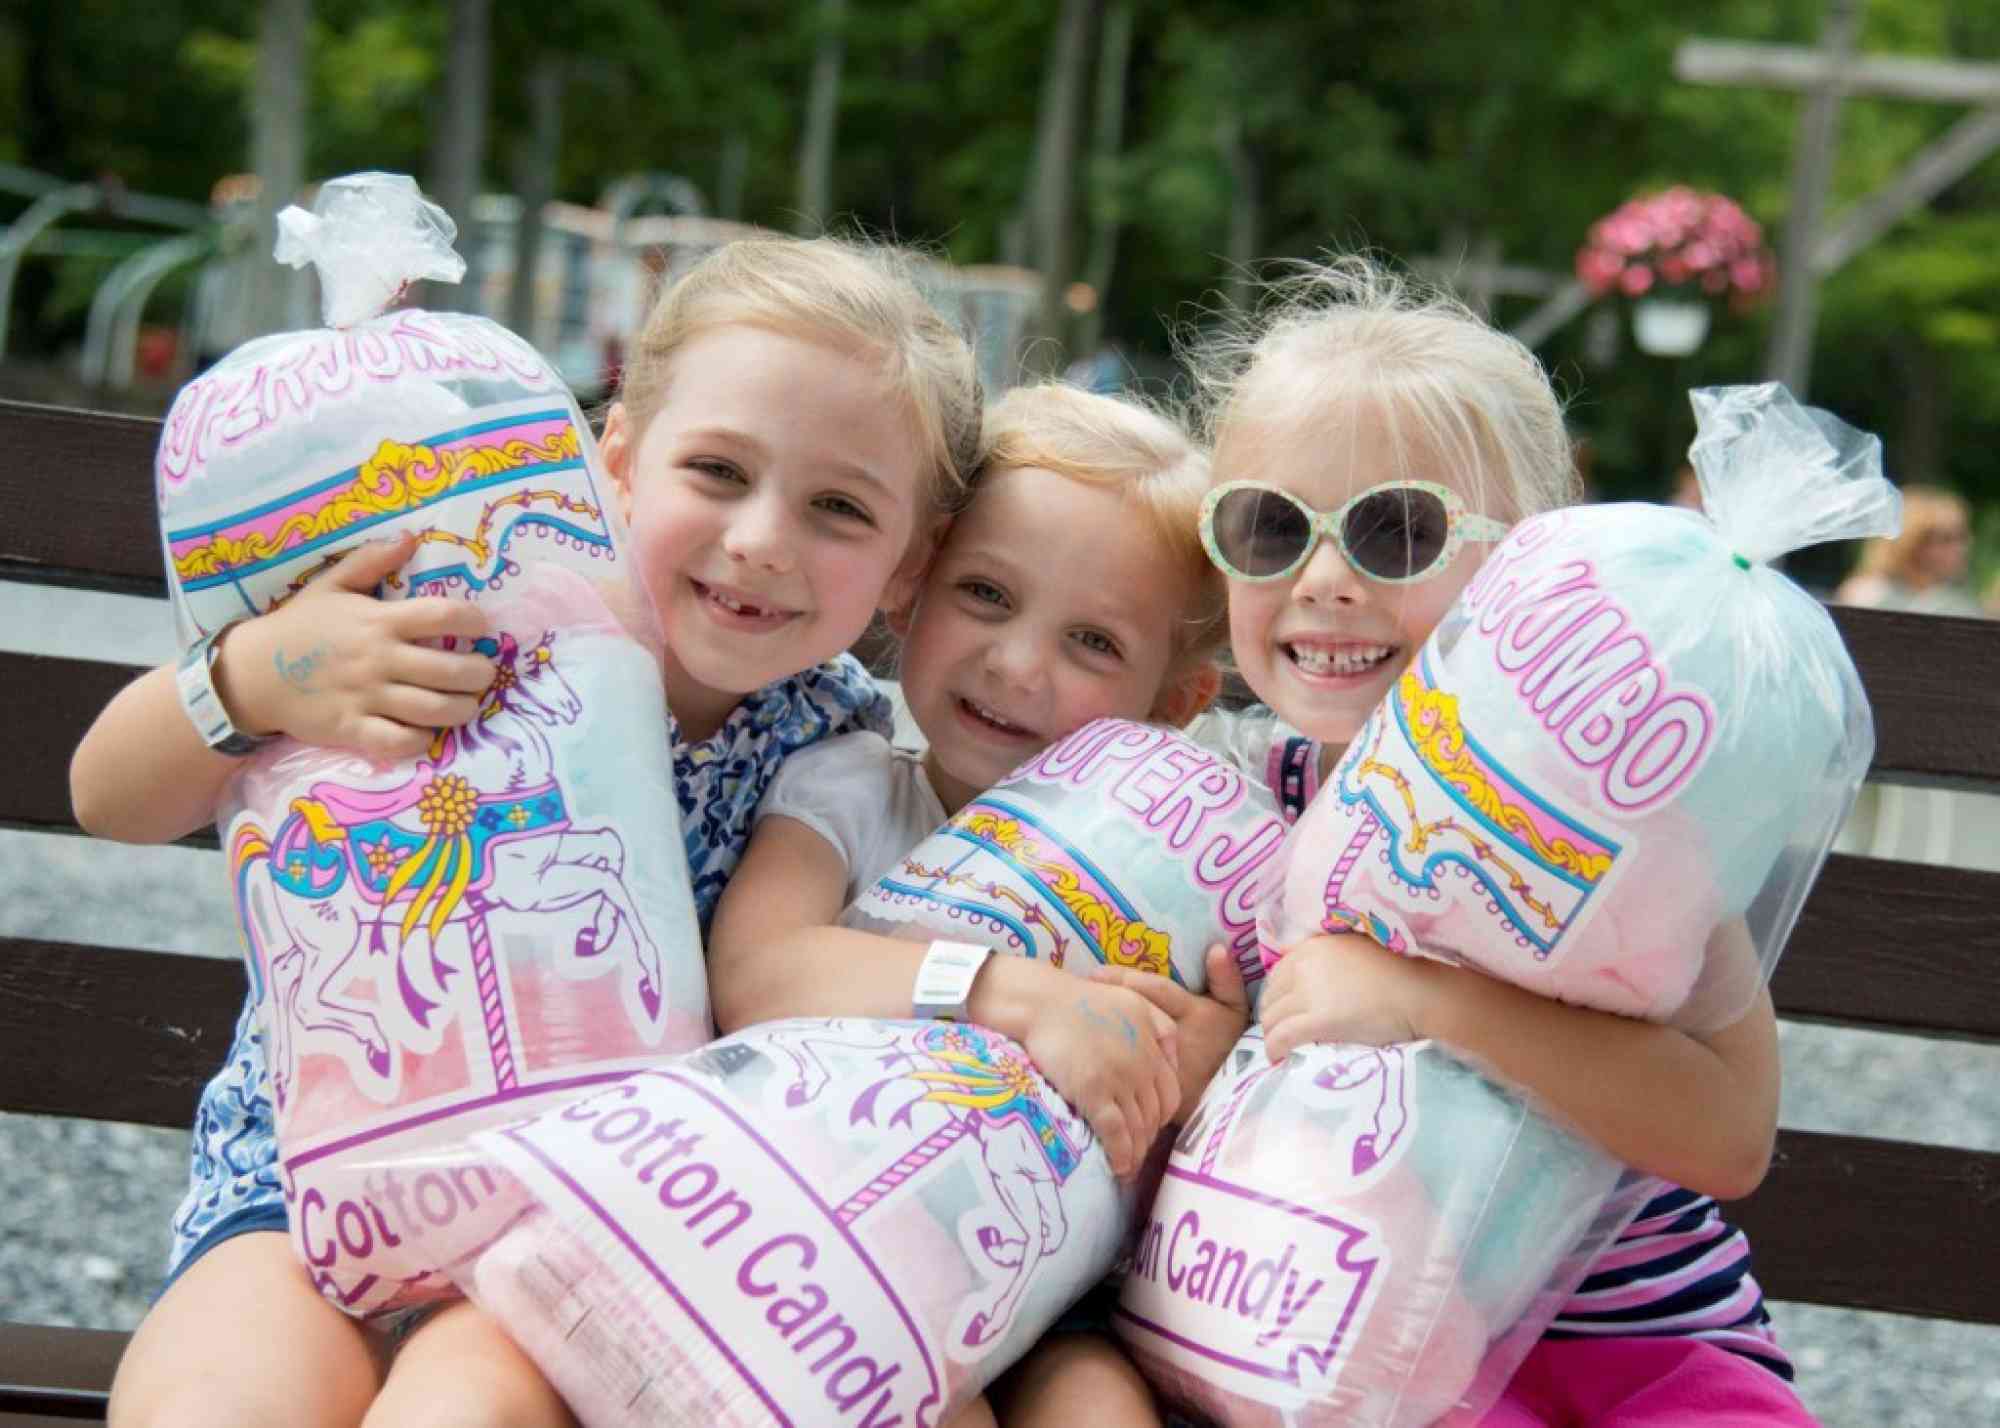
x,y
965,1082
402,872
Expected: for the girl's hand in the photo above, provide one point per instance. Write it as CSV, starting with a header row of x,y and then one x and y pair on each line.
x,y
335,666
1343,987
1205,1027
1110,1053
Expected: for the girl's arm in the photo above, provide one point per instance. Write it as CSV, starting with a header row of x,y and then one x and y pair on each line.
x,y
1698,1110
773,952
333,666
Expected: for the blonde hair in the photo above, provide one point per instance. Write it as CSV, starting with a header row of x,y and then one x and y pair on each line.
x,y
1145,454
1926,510
846,292
1352,330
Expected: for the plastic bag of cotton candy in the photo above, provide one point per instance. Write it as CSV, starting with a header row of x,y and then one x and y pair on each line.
x,y
1360,1235
1554,794
432,943
856,1221
1555,790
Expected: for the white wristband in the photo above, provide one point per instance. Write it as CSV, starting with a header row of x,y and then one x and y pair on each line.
x,y
944,981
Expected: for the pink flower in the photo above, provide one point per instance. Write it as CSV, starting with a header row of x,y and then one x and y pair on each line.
x,y
1678,236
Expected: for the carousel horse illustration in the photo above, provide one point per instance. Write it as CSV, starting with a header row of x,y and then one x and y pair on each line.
x,y
1350,1074
977,1087
480,825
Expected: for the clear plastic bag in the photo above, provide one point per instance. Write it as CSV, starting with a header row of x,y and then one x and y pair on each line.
x,y
1614,769
924,1202
1360,1235
433,944
1610,776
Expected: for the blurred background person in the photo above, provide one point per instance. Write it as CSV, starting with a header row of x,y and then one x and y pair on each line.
x,y
1924,568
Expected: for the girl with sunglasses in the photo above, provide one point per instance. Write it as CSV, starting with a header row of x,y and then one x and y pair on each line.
x,y
1370,443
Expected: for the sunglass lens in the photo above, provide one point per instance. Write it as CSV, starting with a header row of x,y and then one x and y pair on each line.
x,y
1397,533
1260,532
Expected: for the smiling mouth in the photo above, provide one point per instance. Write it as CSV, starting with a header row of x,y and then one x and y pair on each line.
x,y
991,719
740,608
1344,661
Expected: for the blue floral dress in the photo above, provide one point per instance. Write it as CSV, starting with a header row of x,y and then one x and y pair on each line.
x,y
234,1181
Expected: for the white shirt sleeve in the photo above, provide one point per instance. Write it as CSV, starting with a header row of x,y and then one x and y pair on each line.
x,y
870,802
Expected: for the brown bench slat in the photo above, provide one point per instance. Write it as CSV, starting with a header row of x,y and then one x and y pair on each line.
x,y
78,491
1876,1224
57,1375
1901,947
45,705
1934,684
112,1034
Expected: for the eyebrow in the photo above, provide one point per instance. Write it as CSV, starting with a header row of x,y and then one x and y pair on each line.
x,y
841,470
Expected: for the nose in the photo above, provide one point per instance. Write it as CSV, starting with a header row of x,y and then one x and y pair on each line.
x,y
1328,578
1014,657
759,533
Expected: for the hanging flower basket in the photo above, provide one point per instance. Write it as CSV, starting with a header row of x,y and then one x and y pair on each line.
x,y
1683,248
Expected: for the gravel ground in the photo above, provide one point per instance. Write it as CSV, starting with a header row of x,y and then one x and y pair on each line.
x,y
84,1207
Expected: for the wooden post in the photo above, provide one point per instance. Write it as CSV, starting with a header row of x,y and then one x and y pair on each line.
x,y
1107,141
1058,131
822,118
277,296
1790,358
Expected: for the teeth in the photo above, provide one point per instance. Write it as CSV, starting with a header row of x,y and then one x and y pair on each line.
x,y
734,606
1356,659
992,718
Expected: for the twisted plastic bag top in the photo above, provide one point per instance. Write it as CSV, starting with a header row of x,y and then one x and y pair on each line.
x,y
297,446
1777,476
370,235
1614,769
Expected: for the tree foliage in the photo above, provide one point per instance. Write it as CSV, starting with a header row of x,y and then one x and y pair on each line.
x,y
1422,128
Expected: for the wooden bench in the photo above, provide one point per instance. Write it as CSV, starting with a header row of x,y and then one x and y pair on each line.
x,y
126,1035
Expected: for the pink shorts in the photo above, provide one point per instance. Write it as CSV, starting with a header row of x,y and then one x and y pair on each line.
x,y
1643,1383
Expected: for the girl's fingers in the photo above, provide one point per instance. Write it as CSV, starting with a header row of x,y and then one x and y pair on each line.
x,y
1112,1135
1160,991
1145,1125
1145,1114
1167,1032
1279,1038
1225,979
443,670
1168,1080
369,564
386,740
427,709
1276,1007
433,617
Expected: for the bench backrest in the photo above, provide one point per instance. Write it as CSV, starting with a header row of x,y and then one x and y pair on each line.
x,y
121,1034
